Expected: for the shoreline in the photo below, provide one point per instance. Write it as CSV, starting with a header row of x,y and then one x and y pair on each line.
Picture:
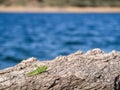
x,y
29,9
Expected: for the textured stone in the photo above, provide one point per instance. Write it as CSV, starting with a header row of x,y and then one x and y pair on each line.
x,y
94,70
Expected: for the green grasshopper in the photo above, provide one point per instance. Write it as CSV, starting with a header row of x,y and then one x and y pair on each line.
x,y
38,70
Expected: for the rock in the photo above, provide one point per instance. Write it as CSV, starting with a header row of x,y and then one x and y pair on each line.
x,y
94,70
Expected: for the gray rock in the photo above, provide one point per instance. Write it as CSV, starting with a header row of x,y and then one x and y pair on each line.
x,y
94,70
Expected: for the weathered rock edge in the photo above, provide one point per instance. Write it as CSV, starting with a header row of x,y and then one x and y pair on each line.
x,y
94,70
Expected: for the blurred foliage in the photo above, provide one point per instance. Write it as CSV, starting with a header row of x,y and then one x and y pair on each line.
x,y
80,3
93,3
5,2
56,2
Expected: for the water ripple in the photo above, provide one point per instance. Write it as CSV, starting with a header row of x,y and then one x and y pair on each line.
x,y
46,36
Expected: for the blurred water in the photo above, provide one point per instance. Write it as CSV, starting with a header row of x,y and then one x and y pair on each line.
x,y
45,35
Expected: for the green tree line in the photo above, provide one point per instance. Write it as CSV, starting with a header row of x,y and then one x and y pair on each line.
x,y
79,3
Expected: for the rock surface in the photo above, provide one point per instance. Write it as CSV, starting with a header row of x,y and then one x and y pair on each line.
x,y
93,70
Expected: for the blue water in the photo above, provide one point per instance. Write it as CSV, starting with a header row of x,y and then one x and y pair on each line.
x,y
45,36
